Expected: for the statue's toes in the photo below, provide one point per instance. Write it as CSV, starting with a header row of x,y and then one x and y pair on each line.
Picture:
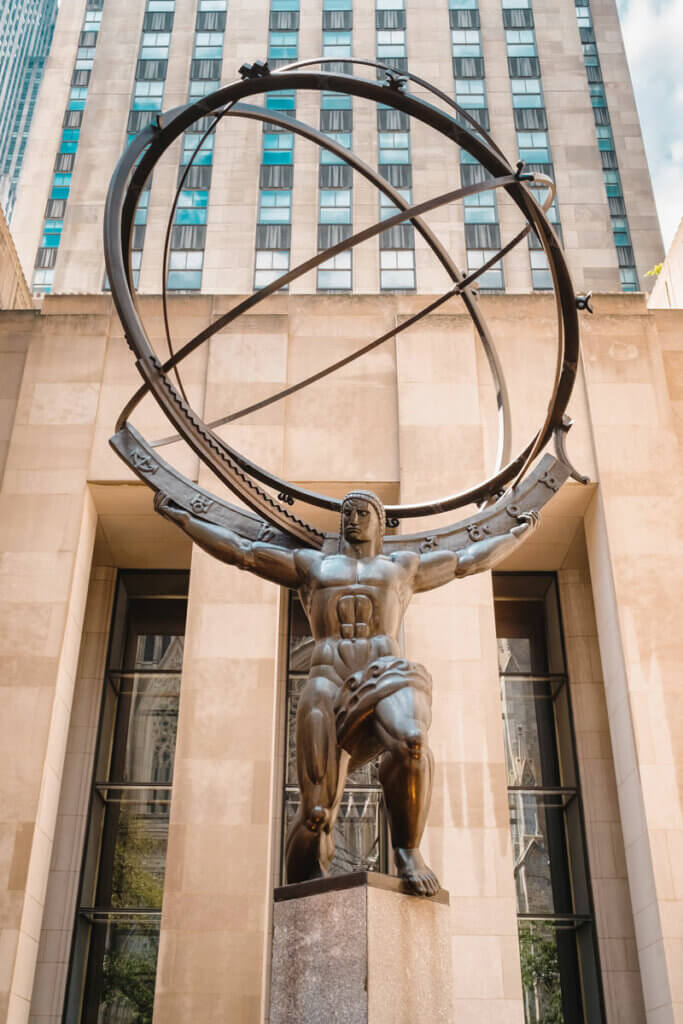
x,y
431,884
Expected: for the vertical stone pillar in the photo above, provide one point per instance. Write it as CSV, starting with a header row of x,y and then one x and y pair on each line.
x,y
452,631
215,927
47,529
633,536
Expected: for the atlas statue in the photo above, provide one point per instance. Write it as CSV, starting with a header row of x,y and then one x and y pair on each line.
x,y
362,700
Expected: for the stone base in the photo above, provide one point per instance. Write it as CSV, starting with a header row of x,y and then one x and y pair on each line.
x,y
358,949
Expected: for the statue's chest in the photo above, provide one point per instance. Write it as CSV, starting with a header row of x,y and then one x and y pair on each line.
x,y
356,575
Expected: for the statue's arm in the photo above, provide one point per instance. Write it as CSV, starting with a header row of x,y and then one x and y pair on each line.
x,y
438,567
273,563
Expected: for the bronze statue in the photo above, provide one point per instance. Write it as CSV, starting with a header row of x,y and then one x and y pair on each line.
x,y
362,699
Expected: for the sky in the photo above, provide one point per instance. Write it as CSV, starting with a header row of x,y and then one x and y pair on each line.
x,y
653,35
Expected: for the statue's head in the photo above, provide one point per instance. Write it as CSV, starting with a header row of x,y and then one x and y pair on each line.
x,y
362,520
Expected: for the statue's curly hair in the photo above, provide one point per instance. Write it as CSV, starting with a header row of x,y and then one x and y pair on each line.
x,y
371,499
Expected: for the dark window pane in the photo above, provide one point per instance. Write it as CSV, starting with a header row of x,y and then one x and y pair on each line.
x,y
123,959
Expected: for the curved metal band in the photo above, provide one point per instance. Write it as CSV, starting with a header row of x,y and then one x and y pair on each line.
x,y
306,131
195,432
457,290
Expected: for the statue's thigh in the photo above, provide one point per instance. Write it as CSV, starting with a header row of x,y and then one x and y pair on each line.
x,y
319,693
399,714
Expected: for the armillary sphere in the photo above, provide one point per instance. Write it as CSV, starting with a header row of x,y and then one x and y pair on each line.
x,y
512,487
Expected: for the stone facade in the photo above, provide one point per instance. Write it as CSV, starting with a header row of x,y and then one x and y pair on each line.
x,y
415,419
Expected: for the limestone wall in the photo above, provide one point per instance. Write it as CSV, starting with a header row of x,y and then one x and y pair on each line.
x,y
417,418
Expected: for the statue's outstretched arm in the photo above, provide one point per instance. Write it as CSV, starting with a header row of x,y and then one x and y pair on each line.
x,y
438,567
273,563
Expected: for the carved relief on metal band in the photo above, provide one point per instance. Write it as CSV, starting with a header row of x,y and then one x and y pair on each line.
x,y
201,504
478,531
550,481
429,544
266,533
513,511
143,462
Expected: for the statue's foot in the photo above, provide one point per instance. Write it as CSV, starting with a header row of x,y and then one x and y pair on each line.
x,y
415,873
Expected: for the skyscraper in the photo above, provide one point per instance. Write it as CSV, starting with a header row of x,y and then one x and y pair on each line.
x,y
26,28
548,79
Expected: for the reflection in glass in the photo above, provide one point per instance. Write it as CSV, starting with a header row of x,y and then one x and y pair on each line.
x,y
358,832
559,965
537,827
116,938
129,969
135,837
529,731
541,982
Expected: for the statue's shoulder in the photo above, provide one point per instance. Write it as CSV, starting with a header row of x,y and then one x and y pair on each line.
x,y
309,556
404,557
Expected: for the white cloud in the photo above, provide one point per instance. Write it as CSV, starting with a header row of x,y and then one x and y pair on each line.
x,y
653,35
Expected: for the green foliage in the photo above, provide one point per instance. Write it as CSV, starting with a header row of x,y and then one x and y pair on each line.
x,y
541,974
654,271
134,884
128,983
129,965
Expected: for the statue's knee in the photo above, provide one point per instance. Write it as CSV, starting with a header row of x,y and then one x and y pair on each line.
x,y
317,819
415,744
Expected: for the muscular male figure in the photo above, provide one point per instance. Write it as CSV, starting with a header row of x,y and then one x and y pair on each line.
x,y
362,699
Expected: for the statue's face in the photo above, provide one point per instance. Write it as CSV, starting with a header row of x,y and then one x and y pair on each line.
x,y
360,521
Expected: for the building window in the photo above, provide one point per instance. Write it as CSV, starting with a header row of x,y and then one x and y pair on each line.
x,y
558,946
361,832
116,934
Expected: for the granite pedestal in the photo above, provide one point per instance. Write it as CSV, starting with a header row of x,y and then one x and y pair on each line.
x,y
358,949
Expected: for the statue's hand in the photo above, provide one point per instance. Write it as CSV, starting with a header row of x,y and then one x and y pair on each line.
x,y
527,523
164,506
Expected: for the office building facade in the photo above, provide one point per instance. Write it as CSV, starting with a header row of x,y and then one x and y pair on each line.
x,y
548,80
26,29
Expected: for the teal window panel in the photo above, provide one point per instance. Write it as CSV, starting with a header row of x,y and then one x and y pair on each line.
x,y
71,135
334,215
190,215
53,225
535,156
278,140
525,102
480,199
184,280
76,105
519,85
208,52
147,103
284,5
336,5
480,215
335,101
622,238
59,192
68,147
193,197
462,5
272,157
51,241
394,156
281,101
282,52
62,179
